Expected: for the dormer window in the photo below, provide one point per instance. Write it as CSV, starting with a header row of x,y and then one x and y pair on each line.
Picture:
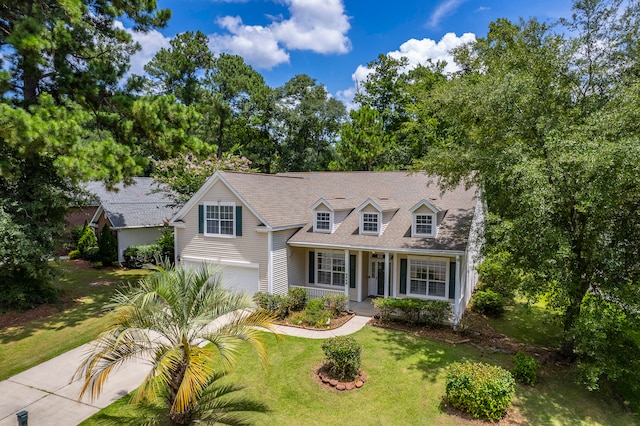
x,y
425,219
370,223
423,225
322,222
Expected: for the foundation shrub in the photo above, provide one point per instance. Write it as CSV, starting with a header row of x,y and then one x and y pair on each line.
x,y
335,303
432,313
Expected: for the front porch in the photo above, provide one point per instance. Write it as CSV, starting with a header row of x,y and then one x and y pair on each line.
x,y
365,307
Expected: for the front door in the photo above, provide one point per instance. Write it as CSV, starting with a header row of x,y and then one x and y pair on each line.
x,y
380,274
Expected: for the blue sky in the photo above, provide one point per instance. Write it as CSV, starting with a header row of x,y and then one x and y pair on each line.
x,y
333,40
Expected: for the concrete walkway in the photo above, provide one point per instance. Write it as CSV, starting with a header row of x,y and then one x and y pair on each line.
x,y
46,393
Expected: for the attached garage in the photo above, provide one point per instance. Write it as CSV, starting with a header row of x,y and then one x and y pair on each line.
x,y
237,276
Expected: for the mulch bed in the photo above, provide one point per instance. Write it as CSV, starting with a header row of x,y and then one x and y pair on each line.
x,y
323,378
334,323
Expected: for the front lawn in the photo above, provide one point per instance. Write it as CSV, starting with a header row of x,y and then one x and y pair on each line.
x,y
532,323
405,386
77,319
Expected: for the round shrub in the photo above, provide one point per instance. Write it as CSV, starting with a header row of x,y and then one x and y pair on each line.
x,y
526,369
488,302
482,390
343,357
74,254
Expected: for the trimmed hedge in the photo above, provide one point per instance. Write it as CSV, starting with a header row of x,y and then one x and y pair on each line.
x,y
413,311
344,357
482,390
526,369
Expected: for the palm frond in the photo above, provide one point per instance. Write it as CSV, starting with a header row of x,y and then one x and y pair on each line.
x,y
106,354
217,405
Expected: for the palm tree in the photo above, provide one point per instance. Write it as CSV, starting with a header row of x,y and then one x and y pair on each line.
x,y
166,319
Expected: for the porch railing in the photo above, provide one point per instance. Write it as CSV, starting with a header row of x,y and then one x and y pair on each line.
x,y
318,292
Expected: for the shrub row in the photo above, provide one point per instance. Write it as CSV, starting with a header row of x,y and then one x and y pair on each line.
x,y
282,305
295,301
138,256
413,311
482,390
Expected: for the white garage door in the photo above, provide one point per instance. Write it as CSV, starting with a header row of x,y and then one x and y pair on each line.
x,y
235,277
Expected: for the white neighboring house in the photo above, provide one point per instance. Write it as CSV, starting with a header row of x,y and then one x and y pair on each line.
x,y
388,234
135,213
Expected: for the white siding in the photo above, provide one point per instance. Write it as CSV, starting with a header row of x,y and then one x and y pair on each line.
x,y
135,236
296,266
473,256
280,258
250,247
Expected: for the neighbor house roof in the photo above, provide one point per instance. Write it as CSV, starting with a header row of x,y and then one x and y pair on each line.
x,y
133,206
286,200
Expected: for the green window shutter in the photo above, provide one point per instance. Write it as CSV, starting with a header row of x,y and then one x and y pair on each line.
x,y
352,271
238,221
312,267
200,219
452,280
403,276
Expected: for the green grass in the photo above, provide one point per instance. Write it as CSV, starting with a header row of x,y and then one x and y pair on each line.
x,y
531,323
405,386
29,344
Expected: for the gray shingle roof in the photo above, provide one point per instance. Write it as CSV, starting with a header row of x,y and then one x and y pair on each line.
x,y
286,199
133,206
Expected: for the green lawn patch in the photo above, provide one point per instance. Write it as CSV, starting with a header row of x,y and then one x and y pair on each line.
x,y
531,323
76,320
406,383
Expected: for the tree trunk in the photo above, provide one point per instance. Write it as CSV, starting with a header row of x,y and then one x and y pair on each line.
x,y
571,315
183,417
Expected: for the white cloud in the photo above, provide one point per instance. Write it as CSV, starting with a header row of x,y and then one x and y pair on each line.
x,y
445,8
418,52
150,41
256,44
316,25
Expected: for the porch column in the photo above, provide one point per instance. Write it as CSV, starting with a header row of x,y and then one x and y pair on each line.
x,y
386,274
359,276
395,275
456,302
346,273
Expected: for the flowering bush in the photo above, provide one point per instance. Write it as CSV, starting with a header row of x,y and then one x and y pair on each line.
x,y
184,175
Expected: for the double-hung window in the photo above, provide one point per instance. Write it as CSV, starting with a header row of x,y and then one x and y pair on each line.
x,y
323,222
428,278
423,225
219,219
331,268
370,223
